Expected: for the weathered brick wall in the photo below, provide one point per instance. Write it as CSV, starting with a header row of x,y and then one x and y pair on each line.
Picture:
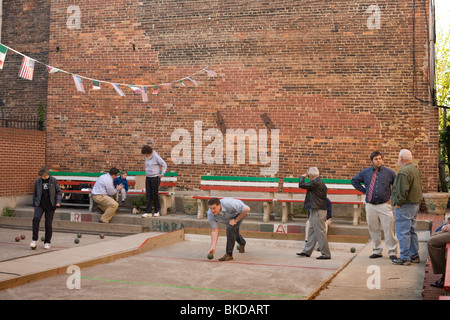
x,y
25,28
334,88
22,155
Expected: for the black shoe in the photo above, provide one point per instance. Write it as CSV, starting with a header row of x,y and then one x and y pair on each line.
x,y
302,254
322,257
415,259
393,257
401,262
101,221
438,284
374,256
226,257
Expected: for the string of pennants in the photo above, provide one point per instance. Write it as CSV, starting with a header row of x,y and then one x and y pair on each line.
x,y
27,70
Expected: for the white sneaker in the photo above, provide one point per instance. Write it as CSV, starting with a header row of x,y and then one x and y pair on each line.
x,y
46,245
156,214
146,215
33,244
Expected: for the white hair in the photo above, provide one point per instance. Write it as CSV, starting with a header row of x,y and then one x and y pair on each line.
x,y
405,154
313,171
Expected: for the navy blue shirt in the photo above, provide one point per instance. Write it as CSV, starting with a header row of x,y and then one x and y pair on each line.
x,y
383,184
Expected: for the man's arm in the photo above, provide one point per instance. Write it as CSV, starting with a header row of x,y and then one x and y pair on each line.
x,y
239,217
214,238
356,182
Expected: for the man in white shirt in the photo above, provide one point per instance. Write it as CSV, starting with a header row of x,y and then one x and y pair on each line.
x,y
103,192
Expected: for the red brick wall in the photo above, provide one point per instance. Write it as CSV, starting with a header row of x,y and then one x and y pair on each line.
x,y
336,89
25,28
22,154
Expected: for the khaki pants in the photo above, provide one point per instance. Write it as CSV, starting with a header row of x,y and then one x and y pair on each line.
x,y
107,204
380,217
436,249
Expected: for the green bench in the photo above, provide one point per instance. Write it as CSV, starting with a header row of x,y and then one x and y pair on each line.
x,y
340,187
263,188
70,183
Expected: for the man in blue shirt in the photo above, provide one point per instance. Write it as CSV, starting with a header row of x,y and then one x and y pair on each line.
x,y
102,194
378,181
230,212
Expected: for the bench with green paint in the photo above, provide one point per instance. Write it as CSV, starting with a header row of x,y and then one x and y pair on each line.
x,y
71,181
168,182
228,186
341,190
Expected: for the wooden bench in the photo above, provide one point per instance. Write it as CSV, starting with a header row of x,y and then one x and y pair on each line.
x,y
70,181
337,188
227,186
168,183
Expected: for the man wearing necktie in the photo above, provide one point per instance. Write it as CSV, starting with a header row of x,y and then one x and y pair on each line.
x,y
378,181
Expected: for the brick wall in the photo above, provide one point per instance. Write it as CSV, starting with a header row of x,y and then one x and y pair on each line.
x,y
25,28
22,155
334,88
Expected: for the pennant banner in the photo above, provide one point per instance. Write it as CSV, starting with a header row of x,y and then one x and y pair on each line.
x,y
78,83
52,70
27,69
28,64
95,85
3,51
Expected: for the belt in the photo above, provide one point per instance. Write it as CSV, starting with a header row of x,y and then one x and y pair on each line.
x,y
377,203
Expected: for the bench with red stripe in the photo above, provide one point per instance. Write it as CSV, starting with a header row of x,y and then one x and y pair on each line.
x,y
447,270
228,186
167,195
70,185
340,191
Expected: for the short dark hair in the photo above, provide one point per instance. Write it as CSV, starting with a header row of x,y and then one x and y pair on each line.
x,y
43,171
213,201
146,150
375,154
114,171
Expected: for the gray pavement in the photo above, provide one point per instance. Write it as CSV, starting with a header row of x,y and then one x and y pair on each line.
x,y
160,266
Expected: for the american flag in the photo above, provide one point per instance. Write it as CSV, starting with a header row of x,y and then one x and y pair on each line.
x,y
27,69
78,83
144,94
118,90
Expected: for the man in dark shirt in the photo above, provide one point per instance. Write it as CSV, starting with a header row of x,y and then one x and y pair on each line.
x,y
378,181
316,203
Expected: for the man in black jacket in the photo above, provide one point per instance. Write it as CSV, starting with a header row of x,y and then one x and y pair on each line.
x,y
46,197
316,202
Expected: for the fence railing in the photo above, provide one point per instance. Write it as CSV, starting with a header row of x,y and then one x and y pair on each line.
x,y
25,121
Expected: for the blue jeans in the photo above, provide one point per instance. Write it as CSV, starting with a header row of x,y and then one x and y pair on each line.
x,y
405,228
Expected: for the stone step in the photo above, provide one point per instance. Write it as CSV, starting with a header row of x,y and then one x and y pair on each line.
x,y
124,222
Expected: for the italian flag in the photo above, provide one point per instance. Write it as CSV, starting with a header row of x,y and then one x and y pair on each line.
x,y
52,69
3,51
95,85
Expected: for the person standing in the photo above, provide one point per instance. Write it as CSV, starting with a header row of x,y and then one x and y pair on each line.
x,y
406,196
155,167
103,193
378,181
316,203
47,196
230,212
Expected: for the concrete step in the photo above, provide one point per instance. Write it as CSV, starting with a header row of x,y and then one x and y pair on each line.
x,y
124,222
